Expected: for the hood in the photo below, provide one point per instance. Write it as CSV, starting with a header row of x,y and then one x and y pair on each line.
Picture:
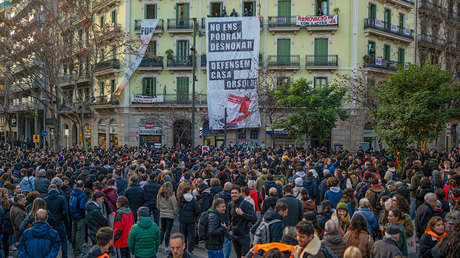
x,y
271,215
145,222
213,210
334,238
215,189
109,189
300,173
313,246
40,229
76,192
53,194
335,189
124,210
92,205
392,169
188,197
377,188
207,190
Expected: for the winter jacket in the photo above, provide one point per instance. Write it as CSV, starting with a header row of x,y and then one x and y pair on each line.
x,y
239,224
362,240
94,218
334,194
122,184
414,183
40,241
423,214
27,223
205,200
150,194
295,210
323,187
427,242
385,248
27,184
79,212
311,186
276,229
57,209
144,238
135,195
189,209
269,202
312,250
5,221
256,197
439,250
308,206
41,185
17,215
336,243
124,220
216,232
270,184
372,195
168,208
110,198
96,252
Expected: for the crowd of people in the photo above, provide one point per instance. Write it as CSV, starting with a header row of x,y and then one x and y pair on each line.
x,y
248,202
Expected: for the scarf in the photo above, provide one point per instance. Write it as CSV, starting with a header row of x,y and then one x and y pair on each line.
x,y
433,234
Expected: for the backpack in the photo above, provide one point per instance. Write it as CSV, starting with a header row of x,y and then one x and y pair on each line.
x,y
262,235
203,222
74,205
327,252
361,190
259,250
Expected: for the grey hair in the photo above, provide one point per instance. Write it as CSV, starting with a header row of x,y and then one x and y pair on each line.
x,y
330,226
364,203
57,181
41,172
289,232
429,197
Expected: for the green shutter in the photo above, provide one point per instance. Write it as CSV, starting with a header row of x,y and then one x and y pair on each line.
x,y
182,50
114,17
372,11
370,45
401,56
388,19
154,87
386,52
186,14
401,22
283,51
150,11
284,8
182,89
321,51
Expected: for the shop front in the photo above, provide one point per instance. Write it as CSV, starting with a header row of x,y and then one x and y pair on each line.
x,y
102,134
87,129
113,134
150,134
212,138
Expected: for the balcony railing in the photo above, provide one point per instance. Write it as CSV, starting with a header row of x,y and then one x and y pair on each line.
x,y
108,64
431,40
382,64
179,61
179,98
431,8
280,21
387,27
280,60
322,60
180,24
156,61
137,25
101,100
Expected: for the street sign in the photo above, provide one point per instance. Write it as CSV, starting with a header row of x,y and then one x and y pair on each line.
x,y
36,138
44,133
448,129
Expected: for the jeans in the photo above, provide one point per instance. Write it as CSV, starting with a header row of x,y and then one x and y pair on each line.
x,y
241,244
189,232
60,228
412,207
123,252
78,235
6,244
216,253
227,247
166,226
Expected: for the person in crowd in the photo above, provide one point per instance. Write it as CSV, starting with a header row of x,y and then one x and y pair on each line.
x,y
111,197
57,215
246,197
178,250
77,202
425,212
104,242
18,214
387,247
144,236
375,192
402,204
333,239
28,181
95,218
5,221
271,227
358,235
352,252
167,205
434,232
28,222
151,189
233,13
309,244
341,218
271,200
308,204
334,194
256,197
217,229
124,220
39,241
241,214
42,183
189,211
135,195
452,225
295,208
365,210
395,219
311,185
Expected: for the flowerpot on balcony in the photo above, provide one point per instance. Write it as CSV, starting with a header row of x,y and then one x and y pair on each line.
x,y
169,53
336,10
366,59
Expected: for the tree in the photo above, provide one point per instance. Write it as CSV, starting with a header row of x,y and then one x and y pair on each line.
x,y
413,105
314,111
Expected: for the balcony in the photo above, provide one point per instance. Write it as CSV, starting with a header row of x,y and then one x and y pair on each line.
x,y
391,31
320,23
180,25
110,31
70,79
276,62
151,63
432,10
408,4
179,63
101,100
181,99
104,4
321,62
430,41
279,23
158,29
381,65
106,67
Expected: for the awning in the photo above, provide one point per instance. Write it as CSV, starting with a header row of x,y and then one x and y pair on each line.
x,y
269,130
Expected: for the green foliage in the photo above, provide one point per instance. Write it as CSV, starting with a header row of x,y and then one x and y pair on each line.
x,y
314,111
413,105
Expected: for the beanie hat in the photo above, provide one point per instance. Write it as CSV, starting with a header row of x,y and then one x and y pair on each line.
x,y
342,205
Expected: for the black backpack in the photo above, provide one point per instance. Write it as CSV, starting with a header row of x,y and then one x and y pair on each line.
x,y
203,222
361,190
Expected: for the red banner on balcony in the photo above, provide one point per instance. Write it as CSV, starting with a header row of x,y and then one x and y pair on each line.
x,y
323,20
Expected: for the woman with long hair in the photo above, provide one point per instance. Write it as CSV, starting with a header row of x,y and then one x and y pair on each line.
x,y
167,205
124,220
5,226
38,203
400,203
341,217
349,198
435,231
358,235
395,218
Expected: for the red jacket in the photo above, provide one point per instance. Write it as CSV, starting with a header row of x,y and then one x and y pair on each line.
x,y
257,197
446,189
124,220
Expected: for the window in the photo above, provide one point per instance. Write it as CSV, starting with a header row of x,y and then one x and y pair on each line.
x,y
112,86
150,11
386,52
322,7
114,52
249,8
283,51
182,50
371,48
372,12
101,89
320,82
242,134
401,55
183,14
254,134
114,16
284,8
401,22
321,51
216,9
182,89
149,86
101,21
152,49
387,17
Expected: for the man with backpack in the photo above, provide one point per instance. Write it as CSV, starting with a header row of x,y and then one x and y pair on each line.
x,y
363,186
271,227
57,215
373,194
77,202
214,229
295,212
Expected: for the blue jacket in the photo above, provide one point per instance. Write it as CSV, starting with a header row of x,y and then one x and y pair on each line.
x,y
27,184
77,212
334,194
372,223
311,186
39,241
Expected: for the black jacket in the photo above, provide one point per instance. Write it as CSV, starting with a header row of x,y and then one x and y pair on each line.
x,y
426,244
57,208
216,232
269,202
135,195
205,200
189,209
150,194
94,218
295,210
41,185
276,229
5,221
240,225
423,215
